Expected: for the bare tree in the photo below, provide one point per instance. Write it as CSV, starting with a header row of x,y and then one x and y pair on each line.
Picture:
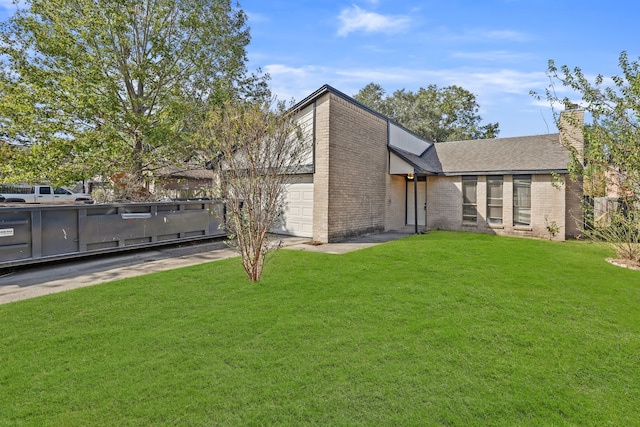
x,y
259,149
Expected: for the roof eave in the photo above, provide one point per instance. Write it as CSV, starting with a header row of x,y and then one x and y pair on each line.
x,y
506,172
417,169
330,89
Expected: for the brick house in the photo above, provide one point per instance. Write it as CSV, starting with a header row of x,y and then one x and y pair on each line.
x,y
369,174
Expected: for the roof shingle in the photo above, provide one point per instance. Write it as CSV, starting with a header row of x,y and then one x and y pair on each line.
x,y
524,154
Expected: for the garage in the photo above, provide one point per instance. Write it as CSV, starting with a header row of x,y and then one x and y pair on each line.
x,y
298,212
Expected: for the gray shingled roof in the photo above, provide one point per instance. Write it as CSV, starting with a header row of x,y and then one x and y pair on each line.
x,y
188,172
524,154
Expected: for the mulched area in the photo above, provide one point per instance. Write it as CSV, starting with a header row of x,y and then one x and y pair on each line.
x,y
625,263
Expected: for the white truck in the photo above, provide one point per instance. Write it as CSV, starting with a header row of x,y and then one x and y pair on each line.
x,y
40,194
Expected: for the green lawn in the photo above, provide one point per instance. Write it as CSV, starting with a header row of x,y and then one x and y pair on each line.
x,y
440,329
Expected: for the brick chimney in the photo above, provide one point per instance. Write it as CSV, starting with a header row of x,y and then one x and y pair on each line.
x,y
571,129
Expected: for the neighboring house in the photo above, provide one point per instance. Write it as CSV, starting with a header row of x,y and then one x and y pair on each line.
x,y
186,183
369,174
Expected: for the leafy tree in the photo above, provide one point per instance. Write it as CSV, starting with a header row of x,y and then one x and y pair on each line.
x,y
7,152
610,160
99,87
437,114
259,148
373,96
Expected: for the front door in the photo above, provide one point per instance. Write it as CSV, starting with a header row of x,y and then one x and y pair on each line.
x,y
422,203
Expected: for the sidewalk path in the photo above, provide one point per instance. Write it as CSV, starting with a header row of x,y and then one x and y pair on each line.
x,y
38,280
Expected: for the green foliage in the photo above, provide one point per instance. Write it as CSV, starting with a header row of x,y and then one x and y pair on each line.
x,y
452,329
612,139
610,162
91,88
437,114
552,227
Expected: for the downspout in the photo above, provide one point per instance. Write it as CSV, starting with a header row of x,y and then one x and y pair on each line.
x,y
426,192
313,136
415,201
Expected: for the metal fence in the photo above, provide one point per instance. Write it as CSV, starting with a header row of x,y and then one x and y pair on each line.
x,y
36,233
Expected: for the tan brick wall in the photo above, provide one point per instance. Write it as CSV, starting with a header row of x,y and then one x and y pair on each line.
x,y
395,212
573,202
358,169
444,203
321,175
481,206
547,206
571,130
507,203
354,194
444,207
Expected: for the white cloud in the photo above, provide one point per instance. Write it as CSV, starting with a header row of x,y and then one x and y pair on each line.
x,y
493,55
356,19
503,94
280,69
509,81
289,83
507,35
297,82
388,75
480,35
475,80
557,106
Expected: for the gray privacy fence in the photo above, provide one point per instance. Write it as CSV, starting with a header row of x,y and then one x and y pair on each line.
x,y
35,233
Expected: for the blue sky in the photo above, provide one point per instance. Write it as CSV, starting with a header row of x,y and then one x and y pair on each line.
x,y
497,49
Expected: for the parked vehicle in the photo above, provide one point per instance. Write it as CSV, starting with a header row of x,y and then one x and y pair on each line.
x,y
40,194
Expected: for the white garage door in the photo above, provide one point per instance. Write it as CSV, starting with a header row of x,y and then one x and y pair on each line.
x,y
298,211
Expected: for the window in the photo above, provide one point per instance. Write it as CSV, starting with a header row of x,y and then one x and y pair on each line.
x,y
494,199
522,200
61,191
469,199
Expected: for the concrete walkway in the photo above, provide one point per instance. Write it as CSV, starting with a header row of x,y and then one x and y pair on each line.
x,y
38,280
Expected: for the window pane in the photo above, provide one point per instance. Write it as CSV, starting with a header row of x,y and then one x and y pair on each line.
x,y
522,200
469,195
494,199
522,197
469,213
494,214
469,192
522,216
494,190
469,198
469,210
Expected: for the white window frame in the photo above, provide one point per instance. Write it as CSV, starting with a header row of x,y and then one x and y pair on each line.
x,y
522,200
495,203
470,207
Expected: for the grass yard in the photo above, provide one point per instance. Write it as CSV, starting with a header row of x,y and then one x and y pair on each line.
x,y
441,329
